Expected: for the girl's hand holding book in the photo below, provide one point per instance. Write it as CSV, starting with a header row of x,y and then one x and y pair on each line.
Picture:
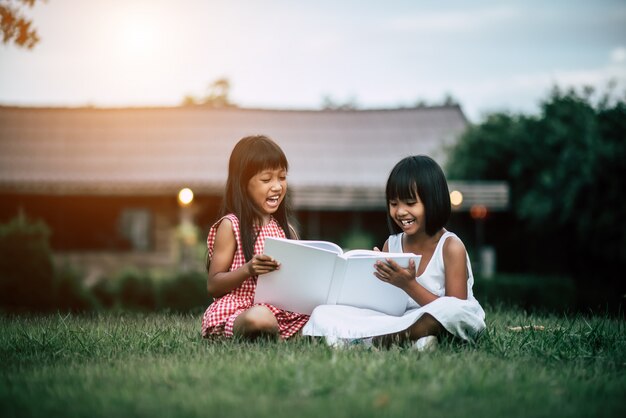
x,y
261,264
391,272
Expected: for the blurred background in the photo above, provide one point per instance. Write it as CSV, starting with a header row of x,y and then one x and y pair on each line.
x,y
117,119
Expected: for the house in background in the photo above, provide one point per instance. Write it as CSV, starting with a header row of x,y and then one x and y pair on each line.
x,y
106,181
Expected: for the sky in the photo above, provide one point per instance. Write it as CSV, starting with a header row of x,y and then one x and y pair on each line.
x,y
282,54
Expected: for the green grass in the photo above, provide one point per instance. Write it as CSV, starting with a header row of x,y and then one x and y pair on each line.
x,y
156,365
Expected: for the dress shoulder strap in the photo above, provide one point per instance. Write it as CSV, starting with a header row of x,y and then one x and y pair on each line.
x,y
213,232
394,243
442,240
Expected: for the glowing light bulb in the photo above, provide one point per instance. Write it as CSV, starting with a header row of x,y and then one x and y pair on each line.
x,y
185,196
456,198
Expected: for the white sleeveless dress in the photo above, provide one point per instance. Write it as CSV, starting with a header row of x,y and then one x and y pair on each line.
x,y
462,318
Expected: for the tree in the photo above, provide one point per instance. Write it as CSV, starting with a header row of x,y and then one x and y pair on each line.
x,y
189,100
14,26
565,169
328,103
218,94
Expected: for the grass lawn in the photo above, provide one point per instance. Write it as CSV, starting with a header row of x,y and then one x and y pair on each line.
x,y
156,365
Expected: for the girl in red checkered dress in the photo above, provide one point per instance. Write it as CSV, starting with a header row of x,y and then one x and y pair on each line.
x,y
253,208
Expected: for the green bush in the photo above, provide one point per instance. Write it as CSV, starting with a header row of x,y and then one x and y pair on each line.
x,y
532,293
29,281
185,292
26,268
70,293
105,293
136,291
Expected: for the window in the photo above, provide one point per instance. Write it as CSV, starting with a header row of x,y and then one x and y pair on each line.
x,y
136,225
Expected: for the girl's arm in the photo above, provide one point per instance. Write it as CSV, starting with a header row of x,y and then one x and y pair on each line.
x,y
454,259
220,280
404,278
455,262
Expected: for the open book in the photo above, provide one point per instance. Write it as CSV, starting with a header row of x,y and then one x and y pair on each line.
x,y
316,273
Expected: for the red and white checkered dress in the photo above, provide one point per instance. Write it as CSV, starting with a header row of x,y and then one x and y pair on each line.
x,y
218,319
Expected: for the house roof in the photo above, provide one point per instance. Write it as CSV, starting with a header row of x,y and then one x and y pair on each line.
x,y
338,159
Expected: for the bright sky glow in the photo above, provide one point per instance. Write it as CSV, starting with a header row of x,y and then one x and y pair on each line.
x,y
488,54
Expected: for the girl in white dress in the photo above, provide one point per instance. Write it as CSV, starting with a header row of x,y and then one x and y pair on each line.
x,y
440,289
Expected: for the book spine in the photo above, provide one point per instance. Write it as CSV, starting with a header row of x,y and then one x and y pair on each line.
x,y
339,273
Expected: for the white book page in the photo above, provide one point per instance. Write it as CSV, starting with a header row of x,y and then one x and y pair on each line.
x,y
303,280
337,282
362,289
376,255
323,245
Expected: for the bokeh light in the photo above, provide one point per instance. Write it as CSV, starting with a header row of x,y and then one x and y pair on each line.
x,y
185,196
456,198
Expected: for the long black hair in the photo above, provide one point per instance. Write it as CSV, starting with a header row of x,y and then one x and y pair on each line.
x,y
251,155
420,175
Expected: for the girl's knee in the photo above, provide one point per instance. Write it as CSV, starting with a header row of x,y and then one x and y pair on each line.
x,y
429,321
262,323
424,326
257,321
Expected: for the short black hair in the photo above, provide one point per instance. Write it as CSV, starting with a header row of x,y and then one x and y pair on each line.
x,y
420,175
